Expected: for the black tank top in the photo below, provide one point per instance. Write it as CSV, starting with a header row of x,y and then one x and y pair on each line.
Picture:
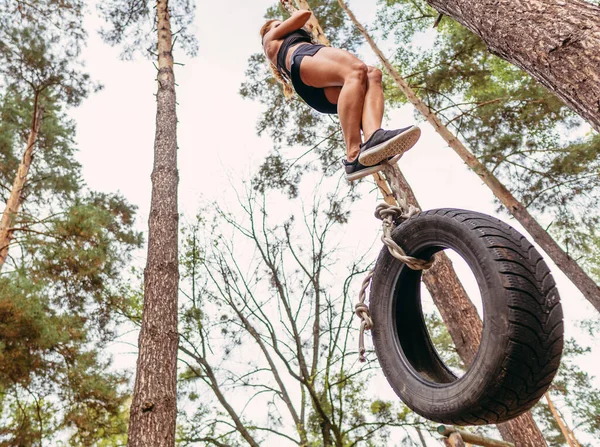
x,y
291,39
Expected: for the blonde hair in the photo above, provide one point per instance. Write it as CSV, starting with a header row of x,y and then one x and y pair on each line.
x,y
288,91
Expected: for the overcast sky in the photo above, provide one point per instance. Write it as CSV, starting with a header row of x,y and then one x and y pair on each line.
x,y
217,138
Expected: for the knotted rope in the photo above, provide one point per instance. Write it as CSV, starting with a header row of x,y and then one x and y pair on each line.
x,y
390,217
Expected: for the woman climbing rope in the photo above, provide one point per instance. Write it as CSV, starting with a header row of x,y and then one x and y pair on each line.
x,y
332,80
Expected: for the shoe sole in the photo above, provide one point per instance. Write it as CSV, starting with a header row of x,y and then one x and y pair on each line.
x,y
363,173
372,169
394,146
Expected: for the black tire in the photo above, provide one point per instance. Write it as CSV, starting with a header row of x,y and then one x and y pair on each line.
x,y
522,337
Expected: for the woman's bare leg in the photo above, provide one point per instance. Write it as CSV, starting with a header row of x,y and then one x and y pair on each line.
x,y
372,114
332,67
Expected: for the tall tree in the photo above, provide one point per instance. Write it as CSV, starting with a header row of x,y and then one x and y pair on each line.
x,y
276,331
562,259
34,71
556,42
59,306
68,245
154,406
455,310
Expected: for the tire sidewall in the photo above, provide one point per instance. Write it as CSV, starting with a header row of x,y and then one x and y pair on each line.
x,y
441,402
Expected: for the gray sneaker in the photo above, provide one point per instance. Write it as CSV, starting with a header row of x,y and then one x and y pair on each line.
x,y
387,143
355,170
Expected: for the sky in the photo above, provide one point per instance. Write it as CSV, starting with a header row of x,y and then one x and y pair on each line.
x,y
218,145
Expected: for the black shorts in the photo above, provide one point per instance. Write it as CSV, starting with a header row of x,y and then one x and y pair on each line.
x,y
314,97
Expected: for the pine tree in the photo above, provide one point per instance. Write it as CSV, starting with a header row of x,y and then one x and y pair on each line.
x,y
61,283
32,72
154,407
567,264
60,300
556,43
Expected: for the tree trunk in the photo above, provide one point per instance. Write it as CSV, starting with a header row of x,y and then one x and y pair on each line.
x,y
154,407
421,437
555,41
16,193
564,428
462,320
457,310
587,286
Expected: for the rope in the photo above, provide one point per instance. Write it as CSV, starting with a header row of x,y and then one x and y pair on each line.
x,y
390,216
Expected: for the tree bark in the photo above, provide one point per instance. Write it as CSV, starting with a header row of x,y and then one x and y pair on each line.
x,y
587,286
564,428
154,406
15,199
457,310
462,320
555,41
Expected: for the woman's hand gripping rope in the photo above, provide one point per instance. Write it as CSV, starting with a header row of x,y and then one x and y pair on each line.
x,y
390,217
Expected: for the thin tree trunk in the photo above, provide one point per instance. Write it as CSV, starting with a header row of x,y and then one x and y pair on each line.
x,y
555,41
214,385
457,310
564,428
587,286
421,437
154,407
15,199
449,296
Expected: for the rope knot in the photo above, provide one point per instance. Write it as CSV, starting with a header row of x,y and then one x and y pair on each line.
x,y
362,312
389,215
383,211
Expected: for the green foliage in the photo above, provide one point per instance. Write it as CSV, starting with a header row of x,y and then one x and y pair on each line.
x,y
55,174
526,136
61,289
575,396
83,253
132,24
51,374
63,296
40,71
63,16
35,60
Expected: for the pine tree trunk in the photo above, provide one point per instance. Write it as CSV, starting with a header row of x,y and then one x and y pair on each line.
x,y
16,193
154,407
457,310
555,41
449,296
587,286
463,322
564,428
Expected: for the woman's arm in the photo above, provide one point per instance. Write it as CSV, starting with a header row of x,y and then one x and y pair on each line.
x,y
296,21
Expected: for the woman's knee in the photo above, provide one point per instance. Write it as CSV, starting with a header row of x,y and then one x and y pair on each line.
x,y
358,71
374,75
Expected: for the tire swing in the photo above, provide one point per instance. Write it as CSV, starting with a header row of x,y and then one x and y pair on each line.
x,y
522,338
